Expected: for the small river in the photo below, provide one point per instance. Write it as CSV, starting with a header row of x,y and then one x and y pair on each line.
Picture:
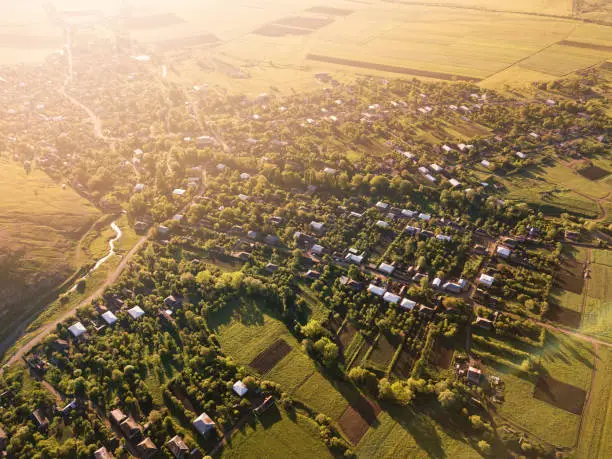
x,y
101,261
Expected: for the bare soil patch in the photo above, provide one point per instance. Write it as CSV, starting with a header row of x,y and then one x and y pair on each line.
x,y
329,10
389,68
593,172
571,276
562,395
580,44
268,359
274,30
304,22
357,419
441,356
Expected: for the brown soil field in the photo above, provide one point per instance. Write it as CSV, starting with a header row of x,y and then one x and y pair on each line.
x,y
389,68
593,172
564,316
357,419
151,22
268,359
274,30
441,356
579,44
329,10
570,276
304,22
562,395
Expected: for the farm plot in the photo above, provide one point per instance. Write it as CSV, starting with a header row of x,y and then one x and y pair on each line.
x,y
382,351
560,60
268,359
593,172
441,356
599,287
358,417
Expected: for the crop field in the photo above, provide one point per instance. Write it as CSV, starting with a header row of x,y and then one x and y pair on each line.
x,y
277,437
40,228
597,318
565,360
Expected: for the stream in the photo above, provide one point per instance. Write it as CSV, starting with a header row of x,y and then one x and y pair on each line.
x,y
111,252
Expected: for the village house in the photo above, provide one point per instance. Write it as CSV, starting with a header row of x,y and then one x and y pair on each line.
x,y
382,224
103,453
268,402
485,163
318,227
77,330
136,312
173,302
474,374
117,416
240,388
391,298
203,424
386,268
484,323
109,318
382,206
146,449
130,428
351,283
425,217
502,251
60,345
376,290
270,239
486,280
318,249
40,420
408,304
311,274
177,447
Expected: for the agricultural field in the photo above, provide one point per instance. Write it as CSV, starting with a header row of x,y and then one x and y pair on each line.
x,y
551,406
595,435
40,228
283,437
254,338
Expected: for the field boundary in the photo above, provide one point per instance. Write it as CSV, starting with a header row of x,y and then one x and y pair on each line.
x,y
390,68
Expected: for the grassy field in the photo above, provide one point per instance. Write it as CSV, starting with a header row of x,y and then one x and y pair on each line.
x,y
245,331
597,318
406,433
596,435
40,228
564,359
277,437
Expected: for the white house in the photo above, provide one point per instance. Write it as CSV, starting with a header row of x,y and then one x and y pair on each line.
x,y
521,155
109,318
430,177
391,298
352,258
411,230
382,224
221,167
245,176
408,304
240,388
386,268
423,170
408,213
443,237
317,226
436,168
380,205
486,280
425,217
446,148
203,424
136,312
178,192
437,282
485,163
329,170
376,290
355,214
454,182
139,187
502,251
77,329
318,249
243,197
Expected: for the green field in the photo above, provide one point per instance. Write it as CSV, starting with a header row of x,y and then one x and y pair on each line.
x,y
40,228
597,318
281,438
564,359
244,331
406,433
596,434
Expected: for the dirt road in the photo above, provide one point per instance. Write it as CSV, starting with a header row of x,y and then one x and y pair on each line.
x,y
42,332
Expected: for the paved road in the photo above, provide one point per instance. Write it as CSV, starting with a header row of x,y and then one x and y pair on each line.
x,y
42,332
